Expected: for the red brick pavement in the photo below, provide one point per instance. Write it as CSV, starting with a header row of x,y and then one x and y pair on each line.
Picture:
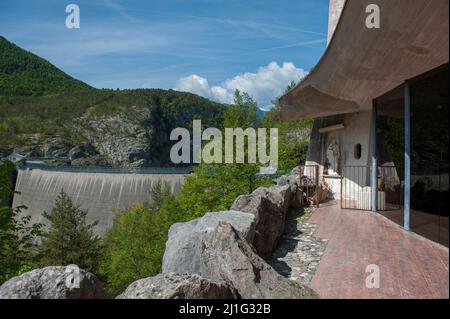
x,y
410,266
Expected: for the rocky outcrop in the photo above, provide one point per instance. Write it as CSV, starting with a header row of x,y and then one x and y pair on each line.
x,y
227,256
323,193
55,147
54,282
95,160
38,145
123,138
298,182
177,286
294,181
182,253
81,151
270,206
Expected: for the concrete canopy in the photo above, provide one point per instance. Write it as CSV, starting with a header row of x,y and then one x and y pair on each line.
x,y
361,64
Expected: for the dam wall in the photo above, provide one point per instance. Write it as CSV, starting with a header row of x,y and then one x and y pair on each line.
x,y
104,195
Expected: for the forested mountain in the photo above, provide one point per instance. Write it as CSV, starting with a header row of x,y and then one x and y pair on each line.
x,y
46,113
23,73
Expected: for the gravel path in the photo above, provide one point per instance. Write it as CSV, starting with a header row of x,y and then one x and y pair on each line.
x,y
299,251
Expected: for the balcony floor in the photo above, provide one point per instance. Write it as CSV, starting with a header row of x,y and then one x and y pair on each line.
x,y
410,266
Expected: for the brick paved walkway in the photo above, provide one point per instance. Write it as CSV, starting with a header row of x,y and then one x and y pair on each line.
x,y
410,266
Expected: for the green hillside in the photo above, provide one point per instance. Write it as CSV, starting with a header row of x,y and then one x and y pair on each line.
x,y
23,73
46,113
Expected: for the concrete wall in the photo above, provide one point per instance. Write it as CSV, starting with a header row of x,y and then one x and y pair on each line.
x,y
356,131
335,11
103,195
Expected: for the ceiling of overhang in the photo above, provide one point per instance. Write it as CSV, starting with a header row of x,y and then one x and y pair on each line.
x,y
361,64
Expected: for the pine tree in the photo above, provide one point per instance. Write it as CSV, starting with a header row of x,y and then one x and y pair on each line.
x,y
69,239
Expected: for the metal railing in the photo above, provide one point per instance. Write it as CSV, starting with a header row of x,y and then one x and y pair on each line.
x,y
356,191
308,182
355,187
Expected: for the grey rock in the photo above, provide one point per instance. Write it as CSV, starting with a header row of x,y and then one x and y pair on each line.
x,y
229,257
81,151
297,170
96,160
179,286
292,180
75,153
323,192
282,180
295,181
279,195
55,147
182,254
121,138
50,283
27,151
269,205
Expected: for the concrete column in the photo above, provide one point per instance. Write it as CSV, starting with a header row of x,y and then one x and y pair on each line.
x,y
407,160
374,164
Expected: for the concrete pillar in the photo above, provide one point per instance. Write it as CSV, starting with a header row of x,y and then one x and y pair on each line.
x,y
334,14
374,164
407,163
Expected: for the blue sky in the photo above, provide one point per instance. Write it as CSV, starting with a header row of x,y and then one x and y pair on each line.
x,y
209,47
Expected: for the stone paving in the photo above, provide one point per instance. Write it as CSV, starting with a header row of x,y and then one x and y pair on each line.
x,y
299,251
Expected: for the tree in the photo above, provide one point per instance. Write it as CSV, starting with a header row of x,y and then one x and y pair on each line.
x,y
69,239
214,187
242,113
135,244
17,242
17,235
293,136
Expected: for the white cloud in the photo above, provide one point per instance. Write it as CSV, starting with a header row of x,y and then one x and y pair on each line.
x,y
265,85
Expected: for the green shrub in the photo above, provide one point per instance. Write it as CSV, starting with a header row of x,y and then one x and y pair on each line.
x,y
17,235
134,247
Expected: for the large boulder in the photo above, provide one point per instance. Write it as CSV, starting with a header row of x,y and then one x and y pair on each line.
x,y
299,183
54,282
227,256
182,253
269,205
323,193
293,181
279,195
179,286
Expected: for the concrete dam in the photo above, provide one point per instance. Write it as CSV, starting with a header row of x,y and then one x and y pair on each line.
x,y
104,195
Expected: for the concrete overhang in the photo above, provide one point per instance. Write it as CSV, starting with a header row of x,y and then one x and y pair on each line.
x,y
361,64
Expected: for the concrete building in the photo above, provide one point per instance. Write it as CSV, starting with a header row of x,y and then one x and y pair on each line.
x,y
379,97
